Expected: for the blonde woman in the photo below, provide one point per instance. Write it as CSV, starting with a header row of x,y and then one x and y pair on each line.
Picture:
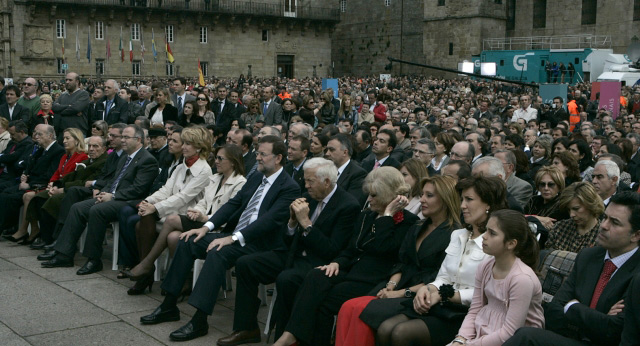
x,y
5,136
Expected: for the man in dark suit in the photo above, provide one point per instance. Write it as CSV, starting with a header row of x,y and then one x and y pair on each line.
x,y
483,111
297,152
39,168
271,110
180,96
631,331
382,147
350,174
253,221
587,309
363,146
136,171
244,139
223,109
236,106
320,226
96,97
111,108
159,147
11,110
18,149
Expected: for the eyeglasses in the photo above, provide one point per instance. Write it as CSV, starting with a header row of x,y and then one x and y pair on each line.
x,y
550,184
28,84
220,158
201,99
418,152
127,137
456,155
114,136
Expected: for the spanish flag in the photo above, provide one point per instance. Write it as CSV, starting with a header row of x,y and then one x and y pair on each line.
x,y
169,52
200,75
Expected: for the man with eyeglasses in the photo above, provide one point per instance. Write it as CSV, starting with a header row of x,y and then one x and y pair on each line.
x,y
73,104
30,98
462,151
424,151
250,222
350,174
478,141
297,151
135,174
525,111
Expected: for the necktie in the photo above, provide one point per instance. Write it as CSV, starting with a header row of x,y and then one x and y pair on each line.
x,y
608,270
376,165
179,105
245,218
264,108
120,175
107,109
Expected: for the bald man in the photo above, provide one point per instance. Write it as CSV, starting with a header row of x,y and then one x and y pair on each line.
x,y
72,105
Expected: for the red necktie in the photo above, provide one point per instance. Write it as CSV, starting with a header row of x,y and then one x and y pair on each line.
x,y
608,270
377,164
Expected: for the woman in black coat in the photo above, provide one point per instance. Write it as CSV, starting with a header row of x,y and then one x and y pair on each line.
x,y
367,260
163,111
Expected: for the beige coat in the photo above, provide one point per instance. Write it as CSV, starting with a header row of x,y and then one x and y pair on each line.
x,y
182,191
214,200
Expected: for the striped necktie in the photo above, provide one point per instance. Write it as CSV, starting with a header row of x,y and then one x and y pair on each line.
x,y
245,218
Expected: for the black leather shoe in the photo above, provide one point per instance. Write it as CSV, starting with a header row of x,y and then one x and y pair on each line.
x,y
92,266
50,246
240,337
38,244
47,255
160,316
188,332
57,262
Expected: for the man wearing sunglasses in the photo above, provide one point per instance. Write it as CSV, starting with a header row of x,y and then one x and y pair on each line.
x,y
30,98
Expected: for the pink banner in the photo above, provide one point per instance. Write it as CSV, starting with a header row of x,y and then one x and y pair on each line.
x,y
610,97
595,88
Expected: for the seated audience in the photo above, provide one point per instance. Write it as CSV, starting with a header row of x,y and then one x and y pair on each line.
x,y
568,166
544,206
413,172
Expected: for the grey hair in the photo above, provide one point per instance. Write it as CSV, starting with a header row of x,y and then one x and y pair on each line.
x,y
635,136
304,132
274,131
326,169
424,133
430,144
510,157
612,169
116,86
49,130
495,165
310,129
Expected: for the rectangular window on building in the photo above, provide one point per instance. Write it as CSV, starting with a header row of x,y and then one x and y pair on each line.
x,y
265,35
135,31
636,10
387,3
99,31
205,68
343,6
440,2
169,68
60,62
539,14
450,48
511,14
203,34
589,8
168,32
135,67
99,67
61,30
290,7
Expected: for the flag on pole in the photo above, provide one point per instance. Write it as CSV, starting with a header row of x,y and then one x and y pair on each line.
x,y
89,45
200,75
169,52
142,49
108,48
121,48
130,51
63,50
77,44
153,46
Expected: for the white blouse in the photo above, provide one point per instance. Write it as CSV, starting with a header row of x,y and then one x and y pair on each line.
x,y
157,117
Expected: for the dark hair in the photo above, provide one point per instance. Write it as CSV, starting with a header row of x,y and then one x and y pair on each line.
x,y
278,146
612,149
138,132
393,140
324,139
19,125
558,98
234,155
573,170
584,149
345,142
15,89
515,226
562,140
447,140
404,128
182,80
247,137
491,190
515,139
630,200
366,135
305,143
195,107
561,129
464,171
626,147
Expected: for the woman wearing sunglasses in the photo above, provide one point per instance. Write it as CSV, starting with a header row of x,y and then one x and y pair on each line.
x,y
544,206
204,109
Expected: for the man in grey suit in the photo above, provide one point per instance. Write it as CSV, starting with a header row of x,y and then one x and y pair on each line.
x,y
135,173
518,188
271,109
180,96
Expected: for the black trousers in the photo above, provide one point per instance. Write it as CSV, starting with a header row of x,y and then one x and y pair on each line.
x,y
72,196
318,300
530,336
212,276
96,217
10,203
265,268
128,245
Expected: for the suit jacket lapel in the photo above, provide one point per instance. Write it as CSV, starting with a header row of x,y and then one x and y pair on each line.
x,y
273,191
592,271
344,175
621,276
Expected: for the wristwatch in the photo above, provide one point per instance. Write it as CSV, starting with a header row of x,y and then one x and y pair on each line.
x,y
234,238
408,293
307,230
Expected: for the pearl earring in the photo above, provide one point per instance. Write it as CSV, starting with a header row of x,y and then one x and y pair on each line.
x,y
487,211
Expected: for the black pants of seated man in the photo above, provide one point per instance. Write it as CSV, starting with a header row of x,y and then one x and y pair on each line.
x,y
50,225
212,276
265,268
530,336
96,217
10,203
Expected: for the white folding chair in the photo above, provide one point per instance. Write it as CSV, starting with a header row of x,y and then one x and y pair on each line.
x,y
116,239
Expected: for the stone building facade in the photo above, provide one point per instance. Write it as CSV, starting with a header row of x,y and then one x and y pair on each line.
x,y
451,31
264,38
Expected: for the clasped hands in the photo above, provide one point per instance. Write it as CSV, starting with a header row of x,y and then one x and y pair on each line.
x,y
299,213
145,208
426,297
217,243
